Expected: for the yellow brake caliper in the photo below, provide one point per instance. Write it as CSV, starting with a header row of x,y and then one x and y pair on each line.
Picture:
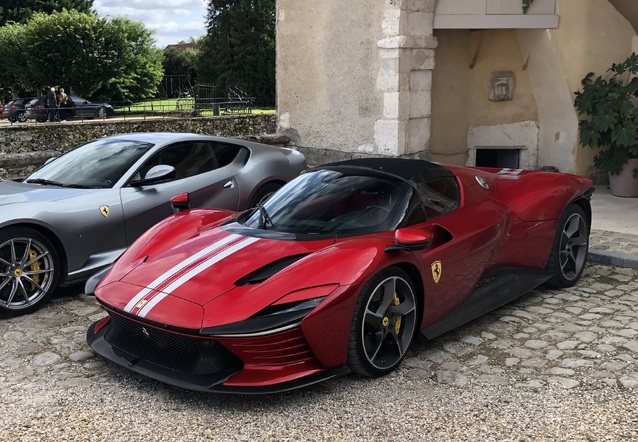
x,y
397,321
35,267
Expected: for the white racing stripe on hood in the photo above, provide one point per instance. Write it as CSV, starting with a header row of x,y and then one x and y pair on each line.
x,y
194,272
174,270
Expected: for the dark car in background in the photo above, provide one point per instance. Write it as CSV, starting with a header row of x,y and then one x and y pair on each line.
x,y
88,109
76,107
15,109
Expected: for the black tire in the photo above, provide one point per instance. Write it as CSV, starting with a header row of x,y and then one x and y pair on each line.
x,y
569,250
29,270
21,117
384,323
101,113
263,193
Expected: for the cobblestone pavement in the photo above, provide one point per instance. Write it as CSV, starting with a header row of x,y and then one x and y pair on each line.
x,y
554,365
607,247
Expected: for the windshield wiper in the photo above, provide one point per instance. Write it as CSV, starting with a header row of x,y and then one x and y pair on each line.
x,y
264,218
43,181
54,183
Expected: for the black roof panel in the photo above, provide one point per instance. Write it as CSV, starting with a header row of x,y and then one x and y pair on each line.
x,y
406,169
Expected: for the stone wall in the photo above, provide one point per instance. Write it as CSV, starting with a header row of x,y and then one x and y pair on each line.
x,y
24,147
355,76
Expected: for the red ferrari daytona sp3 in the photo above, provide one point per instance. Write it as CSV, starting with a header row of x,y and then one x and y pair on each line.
x,y
337,272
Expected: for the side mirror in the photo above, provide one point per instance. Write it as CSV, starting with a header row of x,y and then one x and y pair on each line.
x,y
158,173
409,239
180,202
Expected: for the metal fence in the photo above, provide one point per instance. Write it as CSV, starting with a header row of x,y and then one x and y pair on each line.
x,y
195,101
165,108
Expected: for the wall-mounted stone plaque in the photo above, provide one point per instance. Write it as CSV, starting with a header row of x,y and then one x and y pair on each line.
x,y
502,86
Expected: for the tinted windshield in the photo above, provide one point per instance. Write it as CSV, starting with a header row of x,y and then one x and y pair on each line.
x,y
99,164
330,202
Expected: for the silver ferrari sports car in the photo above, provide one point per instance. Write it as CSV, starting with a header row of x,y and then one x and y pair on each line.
x,y
77,213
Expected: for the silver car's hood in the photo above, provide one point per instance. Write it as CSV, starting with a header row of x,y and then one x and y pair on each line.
x,y
12,192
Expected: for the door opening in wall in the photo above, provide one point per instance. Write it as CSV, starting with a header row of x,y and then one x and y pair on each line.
x,y
507,158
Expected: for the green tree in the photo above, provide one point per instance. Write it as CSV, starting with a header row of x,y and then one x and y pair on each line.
x,y
21,11
239,48
95,57
180,63
12,80
136,63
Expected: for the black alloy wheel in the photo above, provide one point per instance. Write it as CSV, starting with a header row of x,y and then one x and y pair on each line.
x,y
384,323
570,247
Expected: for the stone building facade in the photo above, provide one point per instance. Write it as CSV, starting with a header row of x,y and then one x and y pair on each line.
x,y
473,82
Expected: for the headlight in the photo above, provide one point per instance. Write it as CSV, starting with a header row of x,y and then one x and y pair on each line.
x,y
271,320
285,314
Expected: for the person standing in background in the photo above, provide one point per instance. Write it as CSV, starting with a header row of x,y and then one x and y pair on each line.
x,y
63,100
52,104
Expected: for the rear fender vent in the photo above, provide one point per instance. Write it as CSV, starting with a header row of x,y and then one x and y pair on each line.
x,y
265,272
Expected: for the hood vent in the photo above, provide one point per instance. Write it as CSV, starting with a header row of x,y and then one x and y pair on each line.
x,y
265,272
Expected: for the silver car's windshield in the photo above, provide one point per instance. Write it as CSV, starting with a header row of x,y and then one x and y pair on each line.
x,y
333,203
99,164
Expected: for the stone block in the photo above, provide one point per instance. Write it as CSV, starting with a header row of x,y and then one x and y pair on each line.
x,y
389,136
421,5
420,23
420,104
394,22
418,139
422,59
396,105
421,80
390,81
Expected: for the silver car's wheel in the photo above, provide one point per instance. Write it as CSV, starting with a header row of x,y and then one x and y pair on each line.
x,y
263,193
569,251
28,270
22,117
384,323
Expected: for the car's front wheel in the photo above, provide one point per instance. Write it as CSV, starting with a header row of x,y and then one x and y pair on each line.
x,y
101,112
29,270
384,323
569,250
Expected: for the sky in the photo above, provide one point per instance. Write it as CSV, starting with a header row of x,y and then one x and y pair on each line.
x,y
172,20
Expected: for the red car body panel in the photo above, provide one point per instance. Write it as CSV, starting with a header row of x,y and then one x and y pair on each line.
x,y
188,273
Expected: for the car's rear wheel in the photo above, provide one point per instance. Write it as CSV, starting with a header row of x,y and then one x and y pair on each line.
x,y
384,323
22,117
29,270
263,193
569,250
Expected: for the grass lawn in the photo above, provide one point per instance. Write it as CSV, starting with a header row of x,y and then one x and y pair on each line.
x,y
176,105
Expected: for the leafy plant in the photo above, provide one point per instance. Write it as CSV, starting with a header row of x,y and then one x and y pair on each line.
x,y
526,5
610,108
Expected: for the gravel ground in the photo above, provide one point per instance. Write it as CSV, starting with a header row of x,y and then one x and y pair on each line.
x,y
501,378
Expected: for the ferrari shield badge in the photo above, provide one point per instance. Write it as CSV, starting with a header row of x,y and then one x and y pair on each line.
x,y
105,211
141,303
436,271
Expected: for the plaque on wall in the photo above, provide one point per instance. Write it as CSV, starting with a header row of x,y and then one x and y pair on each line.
x,y
502,86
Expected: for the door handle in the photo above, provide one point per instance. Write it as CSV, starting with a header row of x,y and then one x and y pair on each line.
x,y
229,185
